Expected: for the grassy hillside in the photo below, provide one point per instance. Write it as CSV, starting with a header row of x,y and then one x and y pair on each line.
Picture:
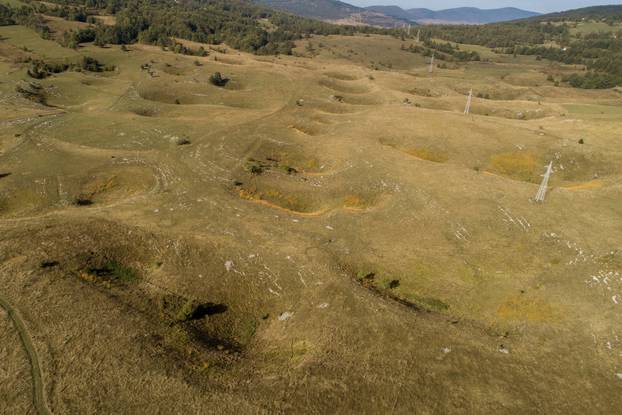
x,y
316,233
190,224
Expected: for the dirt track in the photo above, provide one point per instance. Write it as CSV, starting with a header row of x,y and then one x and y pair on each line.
x,y
37,379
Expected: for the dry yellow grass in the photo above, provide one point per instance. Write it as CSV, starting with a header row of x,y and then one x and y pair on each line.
x,y
520,165
520,308
592,184
277,250
436,156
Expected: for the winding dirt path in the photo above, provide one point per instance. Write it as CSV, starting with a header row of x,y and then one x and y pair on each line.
x,y
38,396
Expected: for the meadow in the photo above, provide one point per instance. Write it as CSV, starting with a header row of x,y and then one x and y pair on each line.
x,y
325,232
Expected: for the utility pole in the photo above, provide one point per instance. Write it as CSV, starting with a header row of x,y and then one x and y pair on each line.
x,y
467,109
545,183
431,68
418,35
409,30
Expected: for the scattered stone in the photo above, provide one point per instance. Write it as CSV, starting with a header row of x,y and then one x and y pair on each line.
x,y
581,141
323,305
286,316
445,350
180,141
504,350
229,266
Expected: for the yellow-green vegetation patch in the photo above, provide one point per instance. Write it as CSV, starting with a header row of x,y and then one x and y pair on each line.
x,y
345,87
594,110
429,154
575,166
519,165
342,76
358,201
110,272
12,3
523,308
279,199
591,27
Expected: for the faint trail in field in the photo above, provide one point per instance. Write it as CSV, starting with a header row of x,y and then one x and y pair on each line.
x,y
38,396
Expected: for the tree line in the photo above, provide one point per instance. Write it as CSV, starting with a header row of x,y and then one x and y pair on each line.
x,y
600,53
238,23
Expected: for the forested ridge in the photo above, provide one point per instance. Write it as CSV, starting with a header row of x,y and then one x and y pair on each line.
x,y
551,37
240,24
257,29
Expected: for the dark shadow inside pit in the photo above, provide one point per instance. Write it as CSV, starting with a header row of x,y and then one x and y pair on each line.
x,y
209,309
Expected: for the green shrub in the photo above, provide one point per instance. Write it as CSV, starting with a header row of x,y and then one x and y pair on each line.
x,y
114,271
390,284
218,80
188,311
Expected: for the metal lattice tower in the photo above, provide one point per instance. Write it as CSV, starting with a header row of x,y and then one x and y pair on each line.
x,y
467,108
431,68
545,183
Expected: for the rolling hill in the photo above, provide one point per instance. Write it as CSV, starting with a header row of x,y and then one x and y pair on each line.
x,y
610,13
215,207
319,9
335,11
460,15
391,16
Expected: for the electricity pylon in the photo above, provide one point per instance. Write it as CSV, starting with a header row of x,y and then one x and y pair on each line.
x,y
467,108
545,183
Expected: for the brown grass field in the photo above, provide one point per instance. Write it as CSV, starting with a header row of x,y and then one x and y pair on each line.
x,y
333,236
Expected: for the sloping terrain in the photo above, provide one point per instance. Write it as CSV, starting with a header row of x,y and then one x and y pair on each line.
x,y
325,232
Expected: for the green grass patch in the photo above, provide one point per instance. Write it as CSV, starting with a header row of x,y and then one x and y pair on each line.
x,y
428,303
594,110
20,37
113,271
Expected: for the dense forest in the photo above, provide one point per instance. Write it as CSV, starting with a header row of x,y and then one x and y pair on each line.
x,y
498,35
443,51
238,23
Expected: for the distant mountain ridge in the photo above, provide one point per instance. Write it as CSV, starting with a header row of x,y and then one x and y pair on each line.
x,y
394,16
459,15
319,9
612,13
